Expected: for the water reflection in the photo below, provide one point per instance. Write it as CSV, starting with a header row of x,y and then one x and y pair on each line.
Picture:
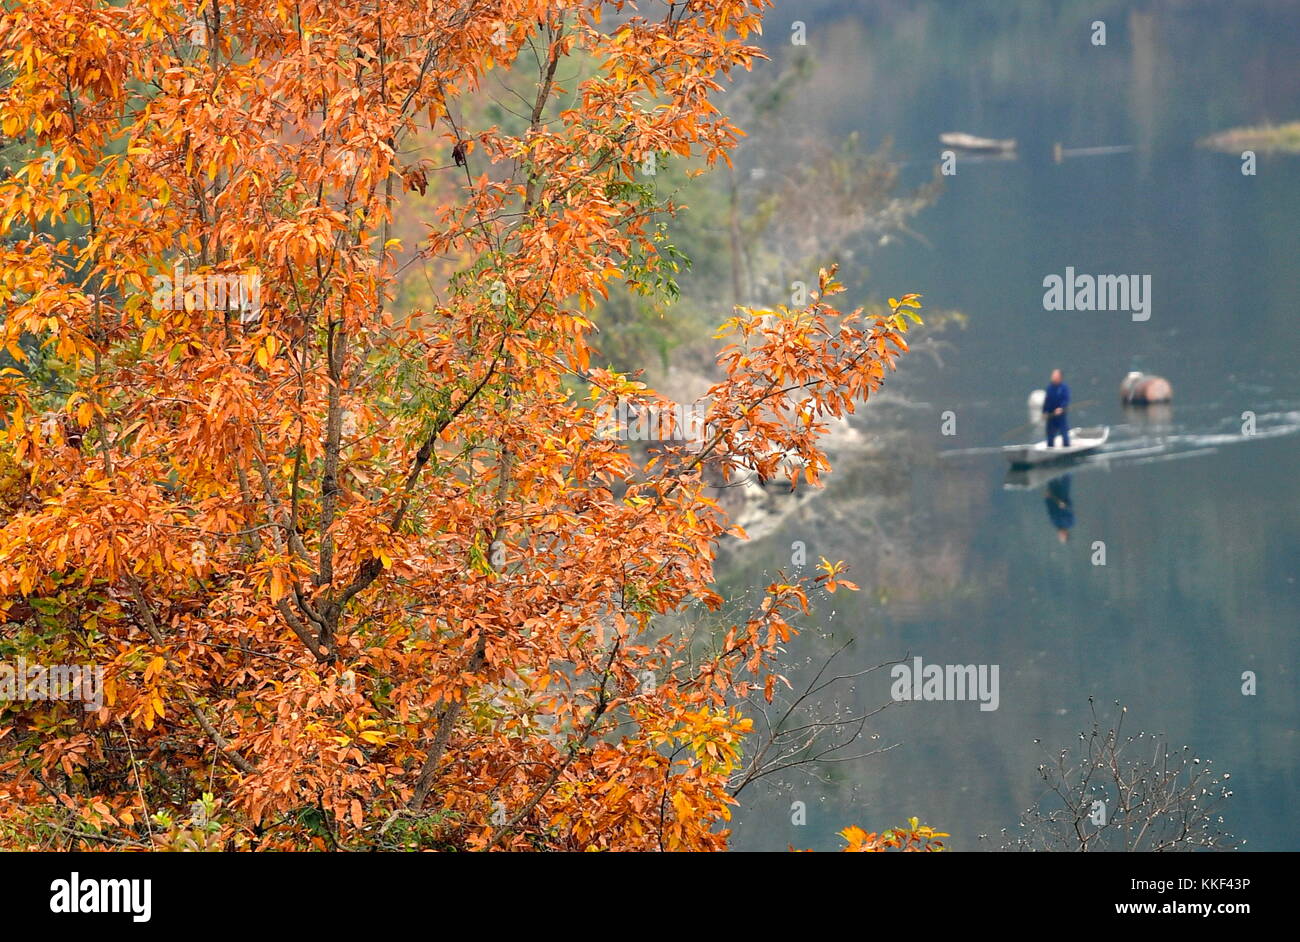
x,y
1201,517
1056,484
1156,419
1060,509
1030,479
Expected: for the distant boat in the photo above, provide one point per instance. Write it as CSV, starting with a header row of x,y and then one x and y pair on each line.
x,y
978,145
1082,441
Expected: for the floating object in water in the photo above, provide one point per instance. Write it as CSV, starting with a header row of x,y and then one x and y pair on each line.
x,y
979,145
1082,441
1140,389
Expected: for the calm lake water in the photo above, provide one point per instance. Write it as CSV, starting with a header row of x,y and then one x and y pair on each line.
x,y
1201,523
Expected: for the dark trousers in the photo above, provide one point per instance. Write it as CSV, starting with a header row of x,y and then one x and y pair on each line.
x,y
1058,425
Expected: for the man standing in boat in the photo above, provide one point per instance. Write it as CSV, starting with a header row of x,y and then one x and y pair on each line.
x,y
1055,404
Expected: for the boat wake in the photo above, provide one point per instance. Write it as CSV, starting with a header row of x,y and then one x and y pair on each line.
x,y
1172,442
1149,444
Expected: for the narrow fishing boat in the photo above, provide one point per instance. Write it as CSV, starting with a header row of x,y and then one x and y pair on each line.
x,y
1082,441
959,140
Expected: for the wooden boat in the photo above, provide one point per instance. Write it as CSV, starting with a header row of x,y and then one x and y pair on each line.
x,y
979,145
1082,441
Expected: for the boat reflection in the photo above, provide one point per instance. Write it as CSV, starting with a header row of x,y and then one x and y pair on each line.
x,y
1026,479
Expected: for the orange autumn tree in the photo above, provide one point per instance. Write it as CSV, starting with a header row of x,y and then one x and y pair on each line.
x,y
361,577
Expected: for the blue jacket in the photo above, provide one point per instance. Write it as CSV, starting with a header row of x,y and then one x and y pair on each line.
x,y
1058,397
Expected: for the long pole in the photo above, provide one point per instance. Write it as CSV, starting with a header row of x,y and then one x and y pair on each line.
x,y
1019,428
